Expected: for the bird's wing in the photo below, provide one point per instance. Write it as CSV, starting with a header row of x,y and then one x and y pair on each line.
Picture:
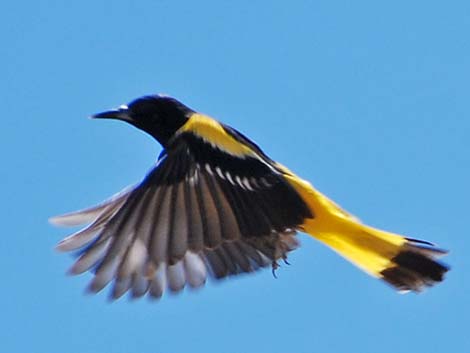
x,y
199,210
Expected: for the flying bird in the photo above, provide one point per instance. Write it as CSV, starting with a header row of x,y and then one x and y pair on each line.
x,y
216,205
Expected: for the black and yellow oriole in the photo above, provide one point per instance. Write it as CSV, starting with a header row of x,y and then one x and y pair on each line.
x,y
215,204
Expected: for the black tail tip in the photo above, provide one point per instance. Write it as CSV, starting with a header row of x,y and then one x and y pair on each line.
x,y
414,269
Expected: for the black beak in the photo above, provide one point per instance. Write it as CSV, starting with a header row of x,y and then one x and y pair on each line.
x,y
116,114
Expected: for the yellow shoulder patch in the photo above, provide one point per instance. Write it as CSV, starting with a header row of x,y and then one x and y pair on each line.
x,y
212,132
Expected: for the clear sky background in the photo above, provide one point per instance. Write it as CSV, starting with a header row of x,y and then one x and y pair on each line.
x,y
368,100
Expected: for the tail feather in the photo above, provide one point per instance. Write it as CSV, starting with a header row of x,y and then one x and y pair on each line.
x,y
406,264
413,270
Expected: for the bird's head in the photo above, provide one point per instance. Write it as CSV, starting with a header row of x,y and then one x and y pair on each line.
x,y
158,115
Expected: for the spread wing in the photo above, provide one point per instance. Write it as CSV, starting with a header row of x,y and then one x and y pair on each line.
x,y
199,211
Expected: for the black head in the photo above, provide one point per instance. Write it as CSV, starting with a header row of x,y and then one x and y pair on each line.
x,y
159,116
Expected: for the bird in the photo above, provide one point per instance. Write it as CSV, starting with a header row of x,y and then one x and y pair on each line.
x,y
214,205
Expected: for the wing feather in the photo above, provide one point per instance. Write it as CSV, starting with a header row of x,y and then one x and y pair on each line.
x,y
217,266
238,257
228,221
179,235
159,238
212,234
199,212
122,232
195,269
227,260
139,284
89,215
158,282
120,287
90,258
176,276
237,206
195,220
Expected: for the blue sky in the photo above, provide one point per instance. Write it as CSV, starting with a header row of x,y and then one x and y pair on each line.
x,y
369,101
